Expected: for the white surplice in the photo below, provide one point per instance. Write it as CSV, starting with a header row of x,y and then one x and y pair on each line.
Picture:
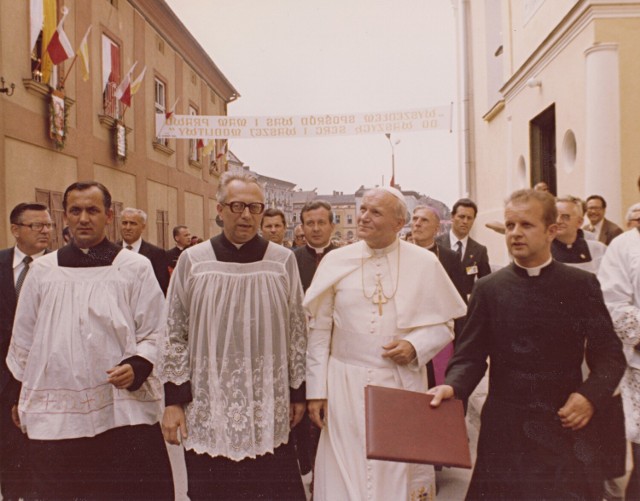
x,y
71,326
619,278
237,332
346,336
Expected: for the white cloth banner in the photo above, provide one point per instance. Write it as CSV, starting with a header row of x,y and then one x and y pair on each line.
x,y
226,127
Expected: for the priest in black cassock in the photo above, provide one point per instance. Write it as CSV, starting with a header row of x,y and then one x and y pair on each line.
x,y
533,319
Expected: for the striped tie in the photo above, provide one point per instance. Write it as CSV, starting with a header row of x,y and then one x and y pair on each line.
x,y
27,260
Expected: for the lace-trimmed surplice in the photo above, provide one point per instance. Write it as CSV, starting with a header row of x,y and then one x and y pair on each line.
x,y
237,332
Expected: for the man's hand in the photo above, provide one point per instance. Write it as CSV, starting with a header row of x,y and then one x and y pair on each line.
x,y
296,411
121,376
440,393
174,423
317,411
400,351
576,412
15,417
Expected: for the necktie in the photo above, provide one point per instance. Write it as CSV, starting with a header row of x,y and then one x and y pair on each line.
x,y
459,249
129,247
27,260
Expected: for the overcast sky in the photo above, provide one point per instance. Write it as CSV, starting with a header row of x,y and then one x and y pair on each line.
x,y
296,57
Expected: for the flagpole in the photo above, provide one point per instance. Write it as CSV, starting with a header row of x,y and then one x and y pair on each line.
x,y
61,86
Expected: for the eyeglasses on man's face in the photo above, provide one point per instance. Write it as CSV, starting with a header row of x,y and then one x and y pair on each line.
x,y
37,226
239,207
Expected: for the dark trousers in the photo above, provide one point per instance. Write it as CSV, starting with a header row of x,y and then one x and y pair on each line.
x,y
126,463
270,476
15,472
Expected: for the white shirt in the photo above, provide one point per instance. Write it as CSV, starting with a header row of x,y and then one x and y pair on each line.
x,y
135,246
18,265
454,242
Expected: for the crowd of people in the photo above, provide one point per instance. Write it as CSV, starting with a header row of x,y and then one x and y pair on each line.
x,y
254,356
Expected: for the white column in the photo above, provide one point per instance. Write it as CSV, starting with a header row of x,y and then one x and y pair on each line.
x,y
602,142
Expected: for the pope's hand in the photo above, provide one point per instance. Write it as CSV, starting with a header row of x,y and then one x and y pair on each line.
x,y
400,351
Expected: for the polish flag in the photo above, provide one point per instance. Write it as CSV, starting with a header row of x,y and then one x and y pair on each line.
x,y
123,92
60,48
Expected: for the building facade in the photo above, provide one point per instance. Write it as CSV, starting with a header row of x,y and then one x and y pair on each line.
x,y
169,179
552,95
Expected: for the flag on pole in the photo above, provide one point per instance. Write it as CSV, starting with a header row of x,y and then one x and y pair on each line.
x,y
137,83
83,52
59,47
221,158
48,28
200,144
208,148
36,14
172,110
123,92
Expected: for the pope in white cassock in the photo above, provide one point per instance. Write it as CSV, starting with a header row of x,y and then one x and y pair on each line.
x,y
380,310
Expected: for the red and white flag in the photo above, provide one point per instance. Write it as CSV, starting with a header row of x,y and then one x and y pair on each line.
x,y
123,92
60,48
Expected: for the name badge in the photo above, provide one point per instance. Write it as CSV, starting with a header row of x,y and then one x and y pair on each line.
x,y
472,270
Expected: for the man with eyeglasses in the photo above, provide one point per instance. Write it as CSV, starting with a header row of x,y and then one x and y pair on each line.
x,y
570,246
31,227
603,229
233,357
298,237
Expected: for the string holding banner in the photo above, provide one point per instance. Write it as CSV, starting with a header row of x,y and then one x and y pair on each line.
x,y
298,126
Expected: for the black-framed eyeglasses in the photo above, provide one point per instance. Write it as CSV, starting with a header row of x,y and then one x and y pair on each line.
x,y
239,207
37,226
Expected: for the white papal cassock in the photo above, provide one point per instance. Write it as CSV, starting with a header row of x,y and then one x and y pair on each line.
x,y
344,355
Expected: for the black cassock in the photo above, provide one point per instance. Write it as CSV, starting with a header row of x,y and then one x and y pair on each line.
x,y
534,330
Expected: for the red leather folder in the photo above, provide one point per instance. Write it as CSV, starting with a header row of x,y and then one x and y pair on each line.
x,y
402,426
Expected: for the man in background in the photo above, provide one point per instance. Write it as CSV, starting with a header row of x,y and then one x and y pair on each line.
x,y
474,256
603,229
182,237
132,224
274,226
298,237
31,227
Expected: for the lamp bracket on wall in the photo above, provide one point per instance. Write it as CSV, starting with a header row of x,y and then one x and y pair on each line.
x,y
6,90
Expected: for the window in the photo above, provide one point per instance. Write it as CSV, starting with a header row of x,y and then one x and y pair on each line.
x,y
110,77
349,219
162,226
337,218
194,152
53,200
37,51
160,100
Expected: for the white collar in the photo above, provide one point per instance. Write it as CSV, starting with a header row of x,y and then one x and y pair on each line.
x,y
454,240
319,250
534,271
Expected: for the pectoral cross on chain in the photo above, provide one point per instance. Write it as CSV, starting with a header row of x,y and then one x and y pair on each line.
x,y
379,297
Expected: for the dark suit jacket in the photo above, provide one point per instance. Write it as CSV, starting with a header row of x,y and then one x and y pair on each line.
x,y
172,256
610,230
7,312
475,254
158,258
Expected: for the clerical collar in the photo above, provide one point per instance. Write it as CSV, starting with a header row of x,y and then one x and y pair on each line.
x,y
135,246
577,252
18,256
249,252
318,250
103,254
534,271
385,250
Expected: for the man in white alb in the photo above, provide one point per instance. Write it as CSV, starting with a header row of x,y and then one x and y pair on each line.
x,y
380,310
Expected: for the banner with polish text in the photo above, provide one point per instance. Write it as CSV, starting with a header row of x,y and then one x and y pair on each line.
x,y
330,125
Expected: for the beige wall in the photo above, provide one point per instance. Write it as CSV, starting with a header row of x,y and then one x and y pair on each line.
x,y
194,214
30,167
161,197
